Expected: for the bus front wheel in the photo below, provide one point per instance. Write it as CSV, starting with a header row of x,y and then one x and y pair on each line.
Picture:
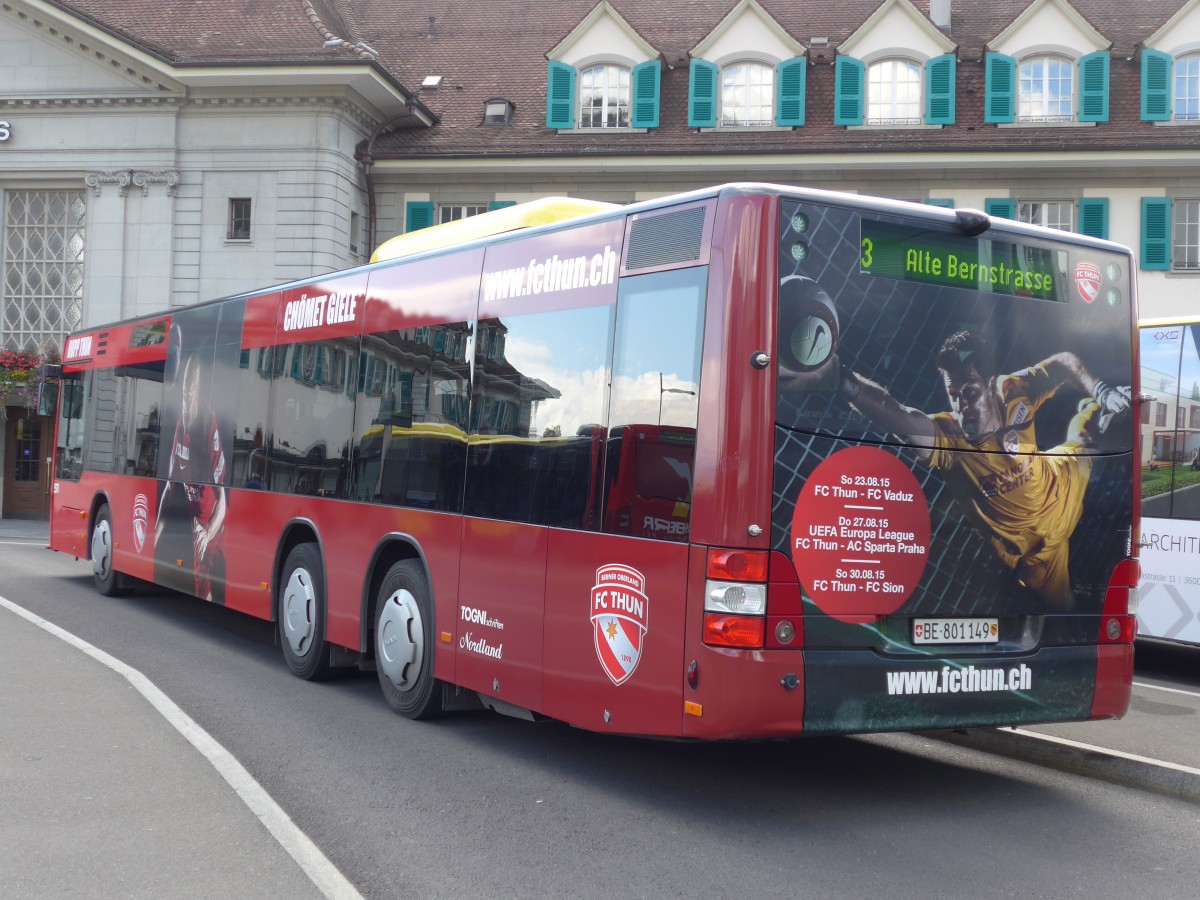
x,y
109,582
302,613
404,642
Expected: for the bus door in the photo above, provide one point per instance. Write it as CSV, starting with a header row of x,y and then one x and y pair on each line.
x,y
615,601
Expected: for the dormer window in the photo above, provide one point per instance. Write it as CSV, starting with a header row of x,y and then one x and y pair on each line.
x,y
1047,90
894,93
604,97
1187,88
747,95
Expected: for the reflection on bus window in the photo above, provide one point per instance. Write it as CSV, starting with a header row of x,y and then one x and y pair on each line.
x,y
655,404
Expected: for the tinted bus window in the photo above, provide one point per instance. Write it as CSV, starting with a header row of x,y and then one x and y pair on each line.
x,y
655,403
312,418
411,417
538,399
71,418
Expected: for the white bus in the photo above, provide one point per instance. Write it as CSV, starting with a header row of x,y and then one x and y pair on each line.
x,y
1170,451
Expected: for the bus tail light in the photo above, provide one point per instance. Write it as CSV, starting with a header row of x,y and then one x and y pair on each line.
x,y
1118,621
735,598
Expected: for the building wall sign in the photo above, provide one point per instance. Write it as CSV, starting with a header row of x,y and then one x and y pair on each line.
x,y
5,131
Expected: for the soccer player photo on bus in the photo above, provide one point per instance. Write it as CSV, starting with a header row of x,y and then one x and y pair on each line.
x,y
1025,504
192,503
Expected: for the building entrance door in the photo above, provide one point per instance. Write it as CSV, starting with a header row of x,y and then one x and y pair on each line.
x,y
26,445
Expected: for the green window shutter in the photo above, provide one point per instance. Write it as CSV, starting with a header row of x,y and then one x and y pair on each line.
x,y
1156,233
1003,207
560,96
1156,86
1000,74
418,214
501,204
1093,87
1093,217
702,94
848,91
939,90
790,76
646,78
945,202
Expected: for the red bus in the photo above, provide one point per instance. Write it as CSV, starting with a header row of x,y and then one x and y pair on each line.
x,y
753,461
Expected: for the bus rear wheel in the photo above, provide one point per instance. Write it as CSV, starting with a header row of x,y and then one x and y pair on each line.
x,y
109,582
404,642
302,613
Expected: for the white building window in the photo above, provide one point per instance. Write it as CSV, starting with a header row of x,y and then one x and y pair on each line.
x,y
1047,90
747,95
894,93
239,219
452,212
1187,87
1185,235
43,267
604,97
1050,213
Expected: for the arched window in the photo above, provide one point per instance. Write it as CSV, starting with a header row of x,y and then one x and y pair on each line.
x,y
604,97
894,93
747,94
1047,89
1187,87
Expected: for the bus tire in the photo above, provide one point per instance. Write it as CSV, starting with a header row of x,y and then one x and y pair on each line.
x,y
302,613
109,582
404,642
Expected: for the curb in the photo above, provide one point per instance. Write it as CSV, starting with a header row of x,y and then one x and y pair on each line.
x,y
1165,778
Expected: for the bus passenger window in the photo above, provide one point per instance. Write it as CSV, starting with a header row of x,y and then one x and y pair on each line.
x,y
655,403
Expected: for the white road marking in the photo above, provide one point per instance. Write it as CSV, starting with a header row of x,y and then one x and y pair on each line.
x,y
323,873
1157,687
1092,748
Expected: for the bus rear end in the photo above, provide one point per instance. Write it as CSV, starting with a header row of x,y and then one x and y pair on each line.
x,y
953,510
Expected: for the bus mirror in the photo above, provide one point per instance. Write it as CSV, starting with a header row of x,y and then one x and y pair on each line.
x,y
47,399
47,371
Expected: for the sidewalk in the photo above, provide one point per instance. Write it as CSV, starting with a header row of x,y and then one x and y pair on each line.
x,y
104,796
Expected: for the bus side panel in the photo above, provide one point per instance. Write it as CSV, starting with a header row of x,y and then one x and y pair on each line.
x,y
738,324
68,516
499,619
615,618
131,502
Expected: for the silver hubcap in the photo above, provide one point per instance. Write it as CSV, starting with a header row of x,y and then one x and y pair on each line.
x,y
299,611
102,549
400,640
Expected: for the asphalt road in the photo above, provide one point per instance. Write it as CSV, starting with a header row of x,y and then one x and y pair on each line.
x,y
482,806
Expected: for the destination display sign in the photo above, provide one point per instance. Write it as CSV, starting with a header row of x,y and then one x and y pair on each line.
x,y
932,256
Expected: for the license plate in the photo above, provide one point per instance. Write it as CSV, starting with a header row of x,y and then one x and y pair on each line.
x,y
956,631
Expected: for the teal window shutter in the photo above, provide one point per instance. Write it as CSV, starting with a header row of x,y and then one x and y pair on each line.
x,y
560,96
646,79
1093,87
1000,74
501,204
702,94
939,90
1156,86
945,202
1156,233
790,76
1003,207
1093,217
418,214
848,91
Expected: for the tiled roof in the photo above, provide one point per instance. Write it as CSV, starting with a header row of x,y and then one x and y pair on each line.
x,y
497,48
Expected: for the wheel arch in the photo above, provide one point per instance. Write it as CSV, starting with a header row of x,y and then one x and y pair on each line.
x,y
297,531
391,549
